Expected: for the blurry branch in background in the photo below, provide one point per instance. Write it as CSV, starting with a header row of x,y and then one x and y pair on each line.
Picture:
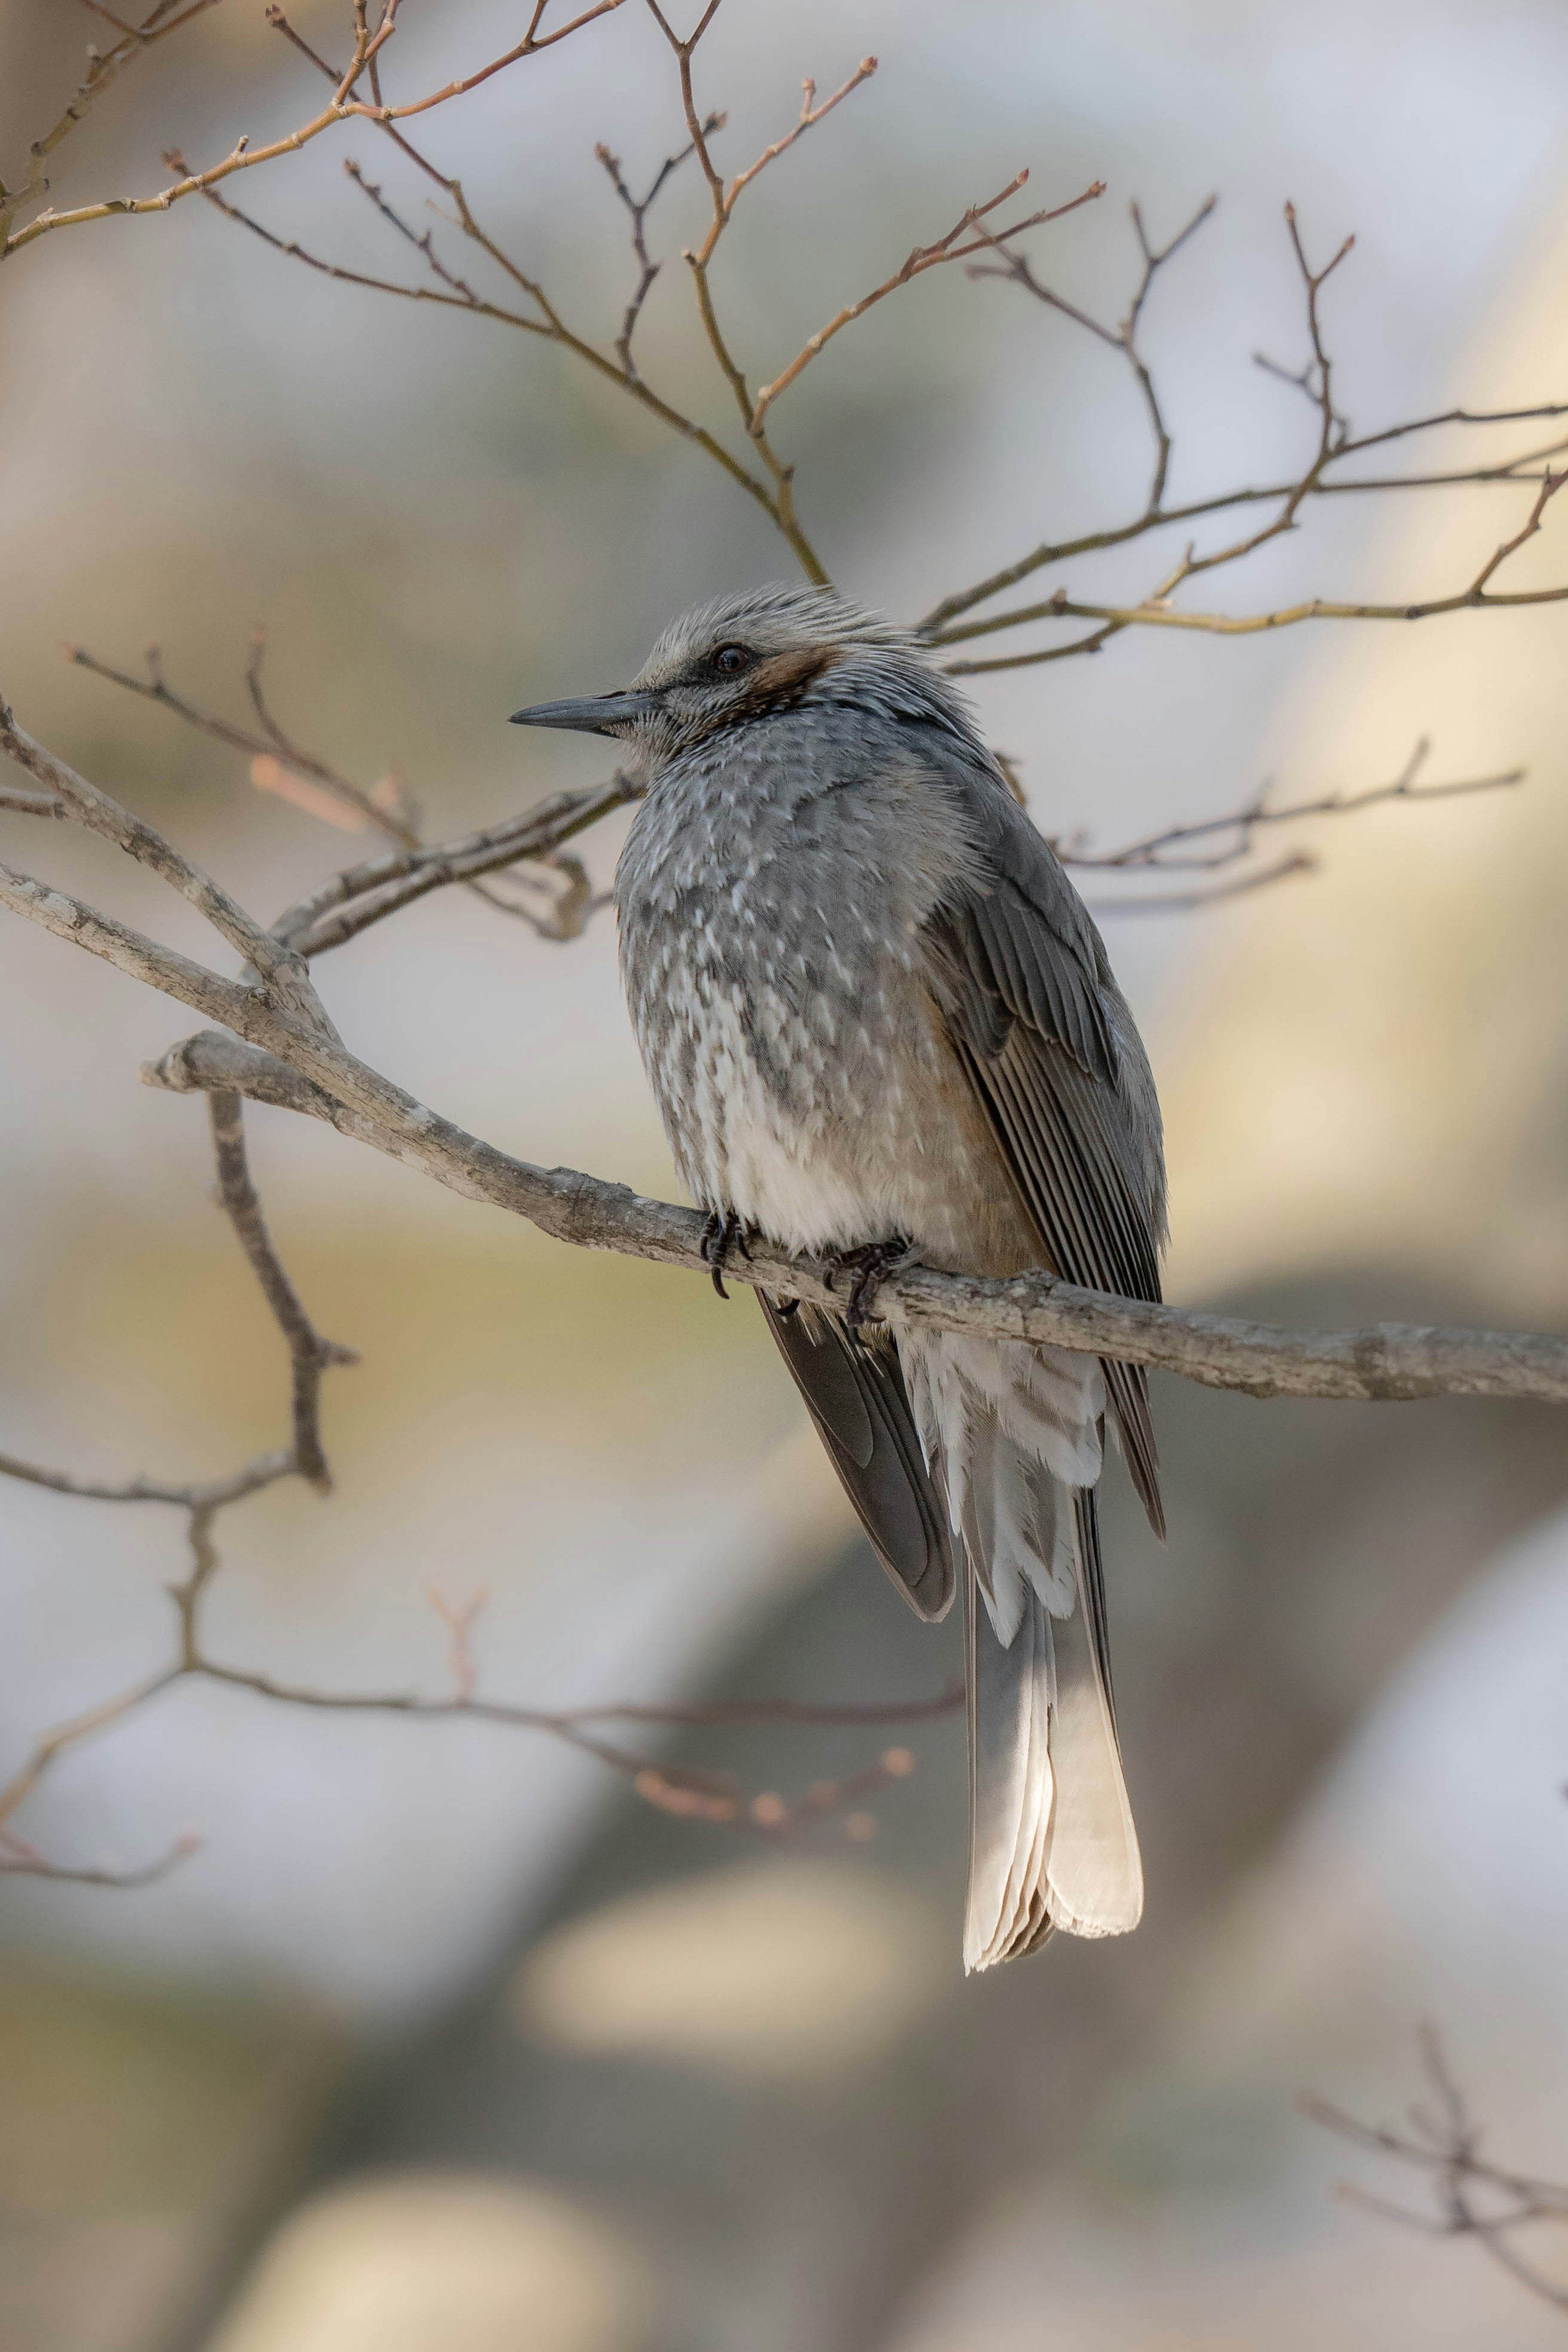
x,y
1474,2197
1171,851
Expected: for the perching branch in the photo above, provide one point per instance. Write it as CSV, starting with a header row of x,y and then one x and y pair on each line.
x,y
1474,2197
301,1067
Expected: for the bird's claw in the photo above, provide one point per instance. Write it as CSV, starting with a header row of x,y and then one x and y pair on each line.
x,y
724,1231
867,1267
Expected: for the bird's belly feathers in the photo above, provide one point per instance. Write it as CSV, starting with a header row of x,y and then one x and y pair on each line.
x,y
828,1120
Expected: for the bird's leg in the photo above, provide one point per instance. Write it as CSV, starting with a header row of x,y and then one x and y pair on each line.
x,y
867,1267
724,1231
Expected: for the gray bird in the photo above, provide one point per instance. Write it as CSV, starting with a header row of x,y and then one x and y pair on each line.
x,y
876,1018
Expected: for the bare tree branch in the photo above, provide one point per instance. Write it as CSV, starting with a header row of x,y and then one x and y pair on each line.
x,y
1154,613
103,68
387,883
1123,338
1169,851
923,258
638,209
1474,2197
308,1353
1335,443
933,626
363,895
344,107
281,973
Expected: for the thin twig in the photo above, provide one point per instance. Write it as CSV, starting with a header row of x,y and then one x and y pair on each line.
x,y
1188,902
1123,338
1153,851
549,322
923,258
340,908
309,1354
103,68
638,210
1156,612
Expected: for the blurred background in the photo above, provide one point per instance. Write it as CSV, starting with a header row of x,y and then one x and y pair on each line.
x,y
443,2039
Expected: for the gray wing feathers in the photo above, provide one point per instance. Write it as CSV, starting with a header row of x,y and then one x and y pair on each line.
x,y
856,1396
1020,974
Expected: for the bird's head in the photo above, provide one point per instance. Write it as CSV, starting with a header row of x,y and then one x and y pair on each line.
x,y
745,658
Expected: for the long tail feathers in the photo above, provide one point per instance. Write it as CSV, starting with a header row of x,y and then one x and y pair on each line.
x,y
1051,1837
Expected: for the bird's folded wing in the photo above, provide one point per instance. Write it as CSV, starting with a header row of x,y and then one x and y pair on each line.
x,y
1019,971
855,1393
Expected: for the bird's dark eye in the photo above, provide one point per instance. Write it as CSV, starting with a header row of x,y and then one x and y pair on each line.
x,y
730,660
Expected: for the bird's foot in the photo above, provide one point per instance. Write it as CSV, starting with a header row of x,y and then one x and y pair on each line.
x,y
724,1231
867,1268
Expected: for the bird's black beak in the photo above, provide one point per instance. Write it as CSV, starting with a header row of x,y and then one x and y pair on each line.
x,y
592,714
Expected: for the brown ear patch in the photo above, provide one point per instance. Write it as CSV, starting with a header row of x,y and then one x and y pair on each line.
x,y
779,682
